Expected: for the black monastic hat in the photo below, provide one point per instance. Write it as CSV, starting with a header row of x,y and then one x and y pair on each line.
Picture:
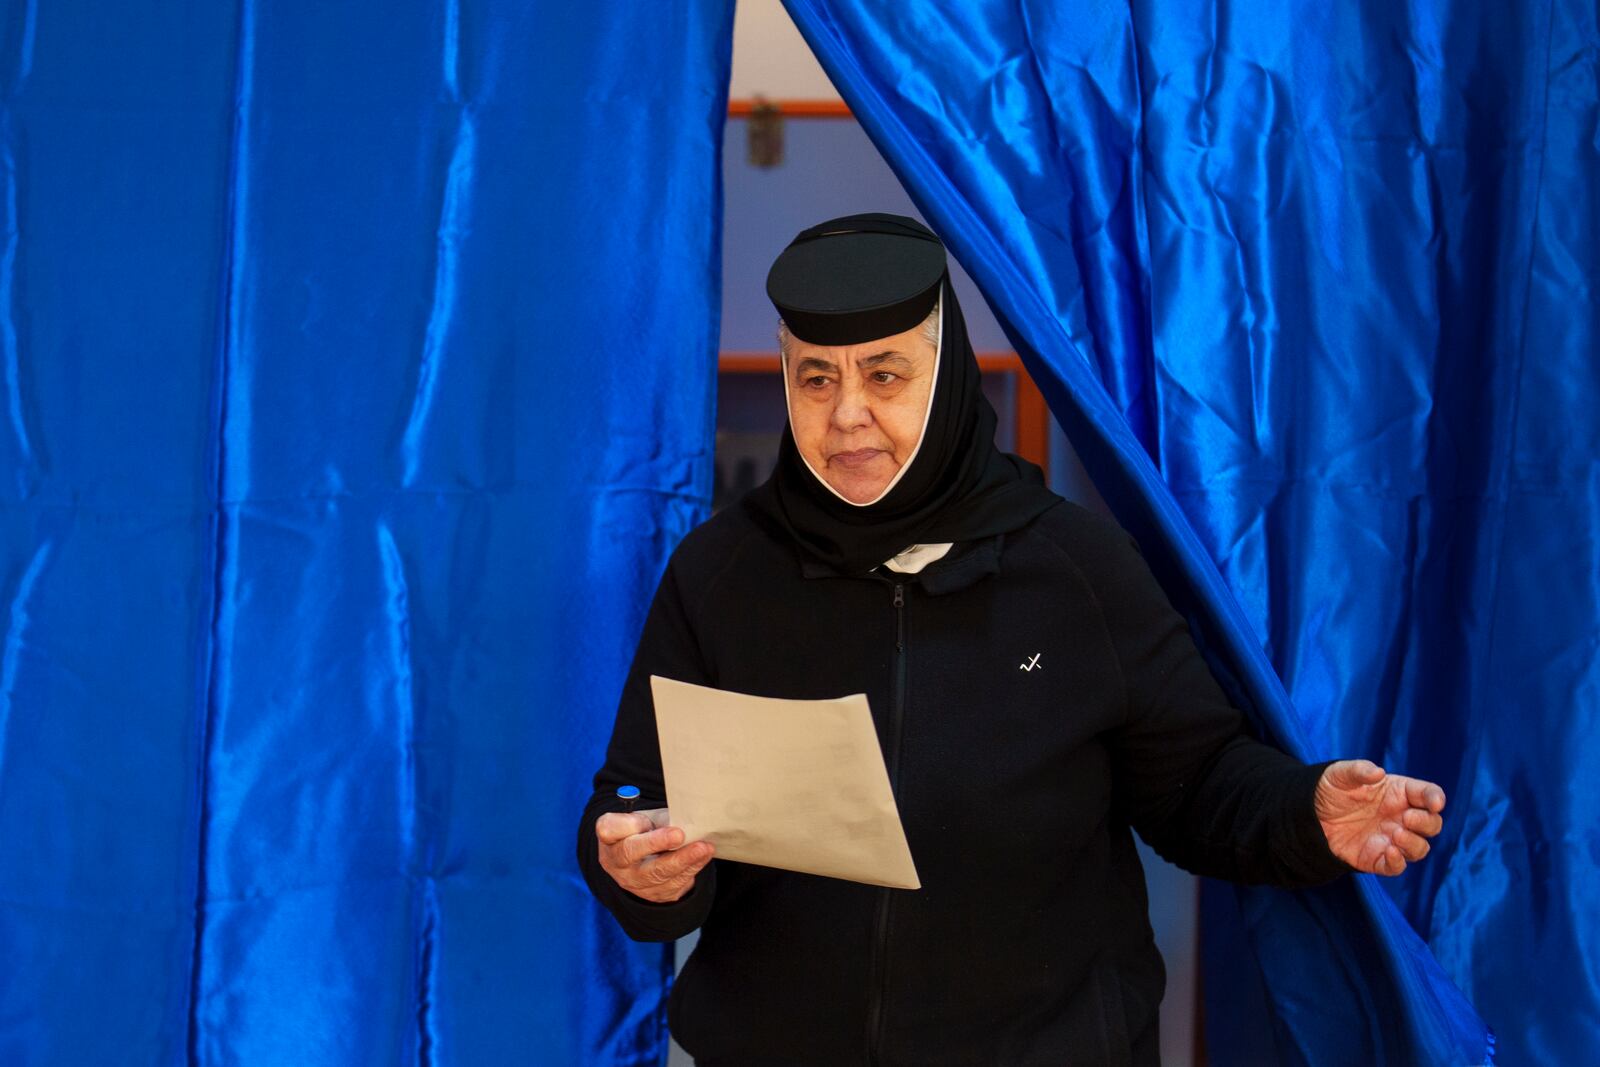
x,y
857,278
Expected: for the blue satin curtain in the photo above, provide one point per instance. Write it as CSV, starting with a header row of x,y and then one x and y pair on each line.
x,y
356,372
1311,288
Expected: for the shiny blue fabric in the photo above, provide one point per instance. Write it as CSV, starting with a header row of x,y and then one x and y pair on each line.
x,y
1311,288
356,372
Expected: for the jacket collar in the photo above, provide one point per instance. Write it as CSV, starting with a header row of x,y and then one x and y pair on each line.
x,y
966,565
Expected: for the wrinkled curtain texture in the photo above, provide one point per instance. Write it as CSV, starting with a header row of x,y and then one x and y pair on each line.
x,y
1310,286
357,368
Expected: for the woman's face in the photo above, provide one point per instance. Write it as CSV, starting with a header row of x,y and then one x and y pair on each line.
x,y
857,410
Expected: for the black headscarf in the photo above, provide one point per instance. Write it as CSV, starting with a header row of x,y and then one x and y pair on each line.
x,y
959,486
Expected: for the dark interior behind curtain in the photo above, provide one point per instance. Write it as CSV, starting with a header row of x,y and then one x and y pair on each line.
x,y
355,381
1310,287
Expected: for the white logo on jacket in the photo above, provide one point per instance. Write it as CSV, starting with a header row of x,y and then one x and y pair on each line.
x,y
1032,663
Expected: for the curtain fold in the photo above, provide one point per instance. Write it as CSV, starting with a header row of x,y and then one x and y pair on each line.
x,y
1309,287
357,367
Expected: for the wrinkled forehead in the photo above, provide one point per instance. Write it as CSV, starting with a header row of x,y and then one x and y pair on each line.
x,y
910,350
857,280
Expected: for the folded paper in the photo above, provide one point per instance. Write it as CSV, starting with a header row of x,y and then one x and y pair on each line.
x,y
796,784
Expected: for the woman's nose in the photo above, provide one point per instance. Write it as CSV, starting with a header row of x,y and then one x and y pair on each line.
x,y
851,410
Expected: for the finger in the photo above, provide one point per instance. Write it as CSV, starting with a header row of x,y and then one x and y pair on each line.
x,y
673,890
1351,773
1421,794
662,891
615,826
688,860
658,817
1411,845
1421,821
1391,862
630,862
641,846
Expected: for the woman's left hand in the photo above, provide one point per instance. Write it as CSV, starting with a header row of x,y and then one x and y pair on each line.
x,y
1374,821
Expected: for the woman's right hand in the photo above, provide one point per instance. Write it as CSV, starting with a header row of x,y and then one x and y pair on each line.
x,y
641,852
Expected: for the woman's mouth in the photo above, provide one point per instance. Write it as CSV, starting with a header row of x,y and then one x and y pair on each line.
x,y
851,460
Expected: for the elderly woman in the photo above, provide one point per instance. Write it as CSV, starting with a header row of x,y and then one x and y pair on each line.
x,y
1037,699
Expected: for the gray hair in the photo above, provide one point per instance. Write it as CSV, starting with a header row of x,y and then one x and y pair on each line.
x,y
929,327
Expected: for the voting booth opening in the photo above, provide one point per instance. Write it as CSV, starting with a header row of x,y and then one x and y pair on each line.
x,y
795,531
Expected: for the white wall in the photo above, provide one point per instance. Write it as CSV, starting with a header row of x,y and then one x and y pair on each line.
x,y
771,59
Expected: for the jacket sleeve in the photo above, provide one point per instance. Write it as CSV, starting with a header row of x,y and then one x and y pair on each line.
x,y
1188,776
666,647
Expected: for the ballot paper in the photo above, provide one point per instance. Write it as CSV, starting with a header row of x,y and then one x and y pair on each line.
x,y
797,784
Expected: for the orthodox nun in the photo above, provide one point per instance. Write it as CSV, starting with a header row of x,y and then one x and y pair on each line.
x,y
1037,699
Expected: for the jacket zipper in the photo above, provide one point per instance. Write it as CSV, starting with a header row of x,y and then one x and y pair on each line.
x,y
878,987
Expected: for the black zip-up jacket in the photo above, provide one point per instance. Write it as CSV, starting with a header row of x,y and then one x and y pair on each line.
x,y
1036,696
